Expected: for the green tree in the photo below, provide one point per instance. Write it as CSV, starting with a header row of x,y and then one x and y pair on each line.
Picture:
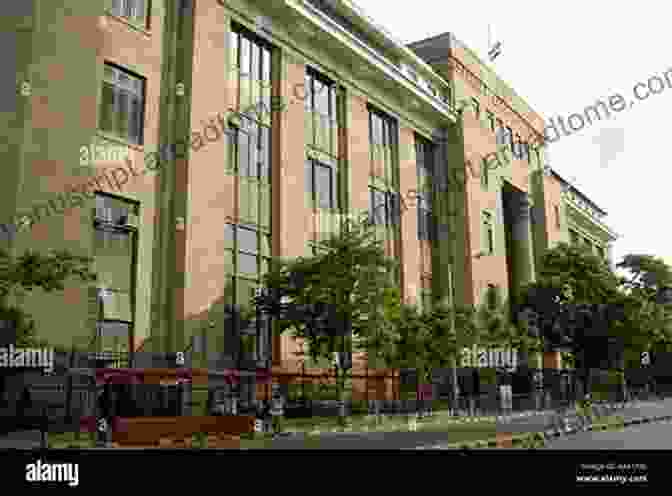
x,y
646,277
335,298
572,304
27,272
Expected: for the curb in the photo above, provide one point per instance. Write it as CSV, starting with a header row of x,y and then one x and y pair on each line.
x,y
517,441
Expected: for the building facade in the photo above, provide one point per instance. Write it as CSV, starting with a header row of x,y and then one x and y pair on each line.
x,y
210,135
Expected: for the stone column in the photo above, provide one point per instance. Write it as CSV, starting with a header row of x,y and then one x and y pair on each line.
x,y
521,238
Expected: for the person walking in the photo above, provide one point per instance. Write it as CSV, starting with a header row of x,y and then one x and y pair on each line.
x,y
277,410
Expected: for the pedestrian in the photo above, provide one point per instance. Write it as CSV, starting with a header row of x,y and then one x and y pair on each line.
x,y
277,410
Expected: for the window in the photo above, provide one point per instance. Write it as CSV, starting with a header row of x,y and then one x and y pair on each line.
x,y
491,120
517,148
488,234
250,59
477,108
321,184
249,158
500,133
525,151
248,250
383,207
485,174
556,209
383,139
508,139
321,104
123,105
426,230
136,11
424,154
250,150
114,254
247,258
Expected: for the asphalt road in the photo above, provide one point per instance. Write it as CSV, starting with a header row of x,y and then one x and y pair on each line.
x,y
655,436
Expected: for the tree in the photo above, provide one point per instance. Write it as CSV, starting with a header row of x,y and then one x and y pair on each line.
x,y
335,297
647,277
575,303
27,272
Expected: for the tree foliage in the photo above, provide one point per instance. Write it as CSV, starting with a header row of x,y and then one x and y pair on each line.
x,y
343,291
30,271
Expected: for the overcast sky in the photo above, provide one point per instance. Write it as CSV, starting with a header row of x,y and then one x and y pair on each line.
x,y
561,57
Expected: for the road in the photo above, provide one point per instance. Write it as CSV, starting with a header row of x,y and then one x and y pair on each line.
x,y
656,436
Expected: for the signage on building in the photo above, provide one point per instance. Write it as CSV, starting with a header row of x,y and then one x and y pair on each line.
x,y
489,358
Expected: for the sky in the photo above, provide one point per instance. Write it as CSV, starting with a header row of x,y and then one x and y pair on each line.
x,y
562,57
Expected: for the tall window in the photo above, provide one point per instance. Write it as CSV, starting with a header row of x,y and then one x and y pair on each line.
x,y
500,133
123,105
321,183
247,258
115,252
508,139
488,234
250,60
491,120
385,198
424,153
249,149
383,208
384,142
136,11
556,209
321,103
477,107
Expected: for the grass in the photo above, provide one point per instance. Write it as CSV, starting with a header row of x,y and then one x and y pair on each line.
x,y
70,440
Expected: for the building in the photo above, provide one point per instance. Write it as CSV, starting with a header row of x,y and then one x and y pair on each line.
x,y
210,135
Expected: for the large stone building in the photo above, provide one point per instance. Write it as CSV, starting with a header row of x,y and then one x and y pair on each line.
x,y
182,143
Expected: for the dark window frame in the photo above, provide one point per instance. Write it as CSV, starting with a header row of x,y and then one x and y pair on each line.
x,y
118,90
127,9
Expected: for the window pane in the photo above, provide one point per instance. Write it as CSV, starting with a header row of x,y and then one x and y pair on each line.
x,y
106,120
308,91
248,240
243,153
244,57
247,264
266,66
333,105
234,40
264,153
321,98
253,150
229,236
137,124
140,14
309,175
323,184
378,207
255,61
